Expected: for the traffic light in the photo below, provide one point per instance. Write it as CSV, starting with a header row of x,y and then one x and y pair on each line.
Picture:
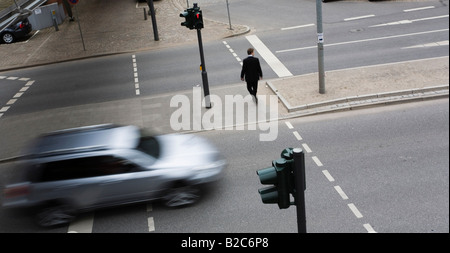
x,y
193,18
188,19
197,19
280,175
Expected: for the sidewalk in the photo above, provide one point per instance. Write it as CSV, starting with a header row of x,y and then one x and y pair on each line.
x,y
120,27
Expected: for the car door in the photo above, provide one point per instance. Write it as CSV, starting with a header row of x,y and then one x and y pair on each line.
x,y
122,181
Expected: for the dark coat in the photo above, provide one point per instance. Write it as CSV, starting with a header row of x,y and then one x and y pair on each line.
x,y
251,69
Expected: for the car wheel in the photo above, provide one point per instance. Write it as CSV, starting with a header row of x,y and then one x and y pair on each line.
x,y
180,196
55,214
7,38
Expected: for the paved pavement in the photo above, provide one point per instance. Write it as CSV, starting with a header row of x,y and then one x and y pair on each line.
x,y
122,28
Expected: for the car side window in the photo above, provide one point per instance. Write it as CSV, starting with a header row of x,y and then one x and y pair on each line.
x,y
85,168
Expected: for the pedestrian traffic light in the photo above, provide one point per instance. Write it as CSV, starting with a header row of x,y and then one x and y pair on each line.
x,y
188,19
198,19
280,175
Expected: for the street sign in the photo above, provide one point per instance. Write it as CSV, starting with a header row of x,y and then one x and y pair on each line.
x,y
73,1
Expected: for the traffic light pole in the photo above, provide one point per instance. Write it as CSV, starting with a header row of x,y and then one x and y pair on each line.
x,y
300,186
320,47
204,73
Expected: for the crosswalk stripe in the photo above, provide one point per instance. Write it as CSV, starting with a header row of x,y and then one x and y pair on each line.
x,y
268,56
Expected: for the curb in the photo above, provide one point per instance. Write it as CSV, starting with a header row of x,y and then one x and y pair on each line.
x,y
355,102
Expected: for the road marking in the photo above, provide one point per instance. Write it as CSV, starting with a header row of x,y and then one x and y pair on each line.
x,y
434,44
355,210
419,9
268,56
151,224
135,74
306,147
360,17
402,22
83,224
317,161
150,220
369,228
18,94
232,52
365,40
289,125
296,27
328,175
297,135
341,192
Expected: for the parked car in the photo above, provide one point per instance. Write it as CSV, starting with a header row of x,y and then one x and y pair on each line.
x,y
81,169
16,31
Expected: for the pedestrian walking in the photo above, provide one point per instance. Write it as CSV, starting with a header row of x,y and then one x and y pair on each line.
x,y
251,72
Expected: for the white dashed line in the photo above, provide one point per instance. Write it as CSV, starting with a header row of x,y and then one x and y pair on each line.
x,y
297,135
328,175
330,178
419,9
232,52
150,220
317,161
360,17
18,94
369,228
135,74
83,224
306,147
402,22
341,192
355,210
296,27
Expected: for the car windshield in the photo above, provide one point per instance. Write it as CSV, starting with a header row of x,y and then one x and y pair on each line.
x,y
149,145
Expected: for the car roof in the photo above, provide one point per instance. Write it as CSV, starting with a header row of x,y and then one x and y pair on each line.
x,y
83,139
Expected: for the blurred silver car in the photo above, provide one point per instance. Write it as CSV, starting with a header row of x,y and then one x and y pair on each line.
x,y
81,169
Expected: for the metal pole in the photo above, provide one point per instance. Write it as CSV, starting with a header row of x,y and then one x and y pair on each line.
x,y
229,19
300,187
152,13
55,22
204,74
320,46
